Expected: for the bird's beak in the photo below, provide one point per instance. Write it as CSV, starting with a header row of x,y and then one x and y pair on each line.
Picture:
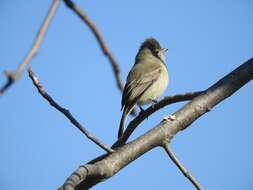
x,y
165,49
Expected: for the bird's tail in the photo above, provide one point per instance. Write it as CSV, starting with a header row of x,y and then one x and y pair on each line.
x,y
122,122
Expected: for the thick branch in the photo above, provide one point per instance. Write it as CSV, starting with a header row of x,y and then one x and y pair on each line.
x,y
65,112
108,165
12,77
180,166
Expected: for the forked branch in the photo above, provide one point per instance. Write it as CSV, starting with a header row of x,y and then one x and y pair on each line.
x,y
105,166
12,77
153,108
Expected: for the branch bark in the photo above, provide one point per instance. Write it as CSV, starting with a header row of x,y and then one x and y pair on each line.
x,y
107,165
12,77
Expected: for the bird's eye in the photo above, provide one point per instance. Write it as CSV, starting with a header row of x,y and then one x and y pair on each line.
x,y
156,52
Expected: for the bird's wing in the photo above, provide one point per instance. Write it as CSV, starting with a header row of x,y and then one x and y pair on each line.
x,y
138,83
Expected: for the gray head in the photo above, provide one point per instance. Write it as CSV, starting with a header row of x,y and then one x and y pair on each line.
x,y
153,46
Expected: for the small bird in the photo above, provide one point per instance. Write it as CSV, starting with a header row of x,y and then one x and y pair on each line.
x,y
146,81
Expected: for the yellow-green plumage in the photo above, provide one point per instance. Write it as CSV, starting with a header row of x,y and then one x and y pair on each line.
x,y
146,81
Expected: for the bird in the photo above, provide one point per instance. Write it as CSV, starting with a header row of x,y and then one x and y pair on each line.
x,y
146,81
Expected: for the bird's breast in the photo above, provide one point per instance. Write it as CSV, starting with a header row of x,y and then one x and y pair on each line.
x,y
157,88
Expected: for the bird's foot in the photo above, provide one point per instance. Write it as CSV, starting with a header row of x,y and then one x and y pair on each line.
x,y
154,102
142,110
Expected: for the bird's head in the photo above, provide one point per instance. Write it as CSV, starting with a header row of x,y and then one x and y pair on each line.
x,y
152,46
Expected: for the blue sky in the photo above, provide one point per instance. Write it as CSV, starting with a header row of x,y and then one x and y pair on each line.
x,y
205,40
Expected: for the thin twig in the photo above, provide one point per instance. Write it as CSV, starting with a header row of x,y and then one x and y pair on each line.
x,y
98,36
12,77
153,108
115,66
180,166
66,112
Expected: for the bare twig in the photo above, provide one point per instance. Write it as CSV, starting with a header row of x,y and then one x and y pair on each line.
x,y
153,108
66,112
12,77
115,66
98,36
180,166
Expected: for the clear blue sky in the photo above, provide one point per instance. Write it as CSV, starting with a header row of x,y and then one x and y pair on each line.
x,y
39,148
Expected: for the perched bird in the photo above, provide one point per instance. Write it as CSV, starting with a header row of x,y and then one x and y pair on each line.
x,y
146,81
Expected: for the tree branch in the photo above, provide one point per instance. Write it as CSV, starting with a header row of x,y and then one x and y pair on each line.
x,y
108,165
100,40
115,66
12,77
180,166
149,111
66,112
